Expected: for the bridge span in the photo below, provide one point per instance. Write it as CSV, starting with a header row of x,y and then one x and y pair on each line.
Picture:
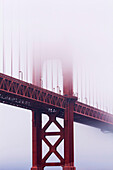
x,y
22,94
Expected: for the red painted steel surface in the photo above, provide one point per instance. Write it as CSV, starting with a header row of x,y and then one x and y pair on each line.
x,y
65,133
19,93
40,134
93,116
68,117
69,136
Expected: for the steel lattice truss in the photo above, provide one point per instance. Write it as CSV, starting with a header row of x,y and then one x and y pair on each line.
x,y
19,93
89,115
52,148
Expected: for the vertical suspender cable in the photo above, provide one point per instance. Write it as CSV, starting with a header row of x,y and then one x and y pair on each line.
x,y
11,43
19,71
19,56
93,90
3,42
11,55
81,85
106,104
57,79
96,97
100,98
46,76
103,99
89,90
77,82
33,65
107,101
26,60
27,53
41,81
52,74
85,87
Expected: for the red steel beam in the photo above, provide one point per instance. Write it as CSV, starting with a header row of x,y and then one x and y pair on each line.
x,y
40,134
93,113
68,116
15,89
21,94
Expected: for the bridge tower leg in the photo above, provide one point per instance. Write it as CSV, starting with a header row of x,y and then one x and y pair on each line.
x,y
36,122
69,140
36,141
68,116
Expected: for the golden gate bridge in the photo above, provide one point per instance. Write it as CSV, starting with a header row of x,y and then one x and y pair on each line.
x,y
42,101
62,104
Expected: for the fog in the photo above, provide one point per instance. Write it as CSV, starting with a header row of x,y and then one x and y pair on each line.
x,y
79,31
93,148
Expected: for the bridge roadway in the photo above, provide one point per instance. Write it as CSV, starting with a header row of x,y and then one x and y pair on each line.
x,y
25,95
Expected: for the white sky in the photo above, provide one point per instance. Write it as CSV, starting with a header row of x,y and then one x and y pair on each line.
x,y
80,30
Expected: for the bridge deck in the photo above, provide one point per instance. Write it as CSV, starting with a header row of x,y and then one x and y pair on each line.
x,y
19,93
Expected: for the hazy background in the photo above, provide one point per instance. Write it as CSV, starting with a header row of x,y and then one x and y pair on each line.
x,y
78,29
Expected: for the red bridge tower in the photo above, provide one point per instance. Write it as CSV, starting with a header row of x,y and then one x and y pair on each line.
x,y
66,133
